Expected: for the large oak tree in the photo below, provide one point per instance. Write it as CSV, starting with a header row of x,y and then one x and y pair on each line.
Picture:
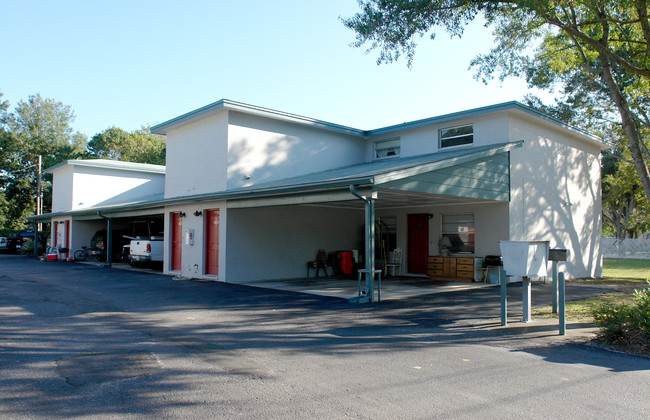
x,y
603,46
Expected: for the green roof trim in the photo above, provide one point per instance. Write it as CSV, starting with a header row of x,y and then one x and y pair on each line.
x,y
226,104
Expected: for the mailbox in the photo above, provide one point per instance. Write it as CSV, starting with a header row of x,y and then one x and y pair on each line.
x,y
524,258
556,254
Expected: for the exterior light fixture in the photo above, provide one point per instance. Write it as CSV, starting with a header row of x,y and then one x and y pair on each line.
x,y
198,213
181,214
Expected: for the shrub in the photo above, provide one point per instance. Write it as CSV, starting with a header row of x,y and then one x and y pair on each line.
x,y
626,324
28,248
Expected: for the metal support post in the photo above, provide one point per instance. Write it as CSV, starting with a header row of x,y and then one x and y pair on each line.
x,y
369,240
503,280
526,289
109,241
562,311
367,295
370,246
554,297
36,238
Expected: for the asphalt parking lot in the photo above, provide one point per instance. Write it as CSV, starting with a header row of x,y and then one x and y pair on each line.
x,y
89,342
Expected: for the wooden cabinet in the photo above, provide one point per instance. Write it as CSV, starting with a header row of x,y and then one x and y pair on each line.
x,y
451,268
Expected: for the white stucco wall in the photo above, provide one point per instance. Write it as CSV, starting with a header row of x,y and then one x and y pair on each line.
x,y
261,149
196,156
277,242
62,189
82,231
556,194
488,129
193,256
101,186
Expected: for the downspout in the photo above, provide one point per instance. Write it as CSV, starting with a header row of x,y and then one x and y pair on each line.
x,y
369,235
109,242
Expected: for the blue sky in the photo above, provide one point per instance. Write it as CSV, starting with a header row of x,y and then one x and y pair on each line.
x,y
134,63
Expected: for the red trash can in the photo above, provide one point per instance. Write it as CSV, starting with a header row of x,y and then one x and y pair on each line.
x,y
346,261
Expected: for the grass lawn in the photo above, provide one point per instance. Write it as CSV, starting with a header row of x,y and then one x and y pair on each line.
x,y
627,274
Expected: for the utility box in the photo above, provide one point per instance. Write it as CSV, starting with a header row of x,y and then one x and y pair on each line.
x,y
525,258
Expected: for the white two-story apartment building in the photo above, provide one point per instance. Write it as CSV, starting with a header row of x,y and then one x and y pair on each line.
x,y
251,193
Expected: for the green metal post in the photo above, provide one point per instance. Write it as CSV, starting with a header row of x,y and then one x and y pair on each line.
x,y
109,241
562,312
370,248
36,238
526,292
554,298
503,280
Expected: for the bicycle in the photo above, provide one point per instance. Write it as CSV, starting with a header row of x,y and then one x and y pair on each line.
x,y
86,253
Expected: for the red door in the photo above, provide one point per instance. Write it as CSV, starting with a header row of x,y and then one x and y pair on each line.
x,y
177,241
418,242
56,234
212,242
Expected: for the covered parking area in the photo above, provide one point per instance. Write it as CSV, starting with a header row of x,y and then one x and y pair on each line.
x,y
73,230
275,229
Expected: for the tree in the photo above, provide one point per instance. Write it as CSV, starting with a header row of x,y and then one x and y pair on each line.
x,y
37,127
138,146
591,46
624,204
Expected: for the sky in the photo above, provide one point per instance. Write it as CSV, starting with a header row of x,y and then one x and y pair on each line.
x,y
134,63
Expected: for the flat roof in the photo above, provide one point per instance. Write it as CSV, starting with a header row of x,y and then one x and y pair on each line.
x,y
110,164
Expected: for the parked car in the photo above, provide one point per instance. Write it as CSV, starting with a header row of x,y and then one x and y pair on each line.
x,y
4,244
15,242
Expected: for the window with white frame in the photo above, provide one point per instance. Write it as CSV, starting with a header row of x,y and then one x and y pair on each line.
x,y
456,136
387,148
459,228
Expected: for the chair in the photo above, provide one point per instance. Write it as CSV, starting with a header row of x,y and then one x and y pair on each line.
x,y
394,262
318,263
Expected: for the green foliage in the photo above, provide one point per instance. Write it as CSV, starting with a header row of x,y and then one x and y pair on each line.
x,y
36,127
625,206
42,127
597,52
138,146
28,248
626,324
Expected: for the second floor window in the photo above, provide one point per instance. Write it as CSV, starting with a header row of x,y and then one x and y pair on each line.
x,y
456,136
387,148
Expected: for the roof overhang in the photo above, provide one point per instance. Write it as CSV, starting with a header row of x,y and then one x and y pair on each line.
x,y
478,173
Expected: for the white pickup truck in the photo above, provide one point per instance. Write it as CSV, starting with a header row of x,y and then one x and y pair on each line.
x,y
145,249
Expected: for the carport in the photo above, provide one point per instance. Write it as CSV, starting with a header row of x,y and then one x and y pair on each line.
x,y
465,177
83,224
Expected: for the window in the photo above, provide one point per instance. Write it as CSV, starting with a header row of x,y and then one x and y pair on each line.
x,y
456,136
459,228
387,148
